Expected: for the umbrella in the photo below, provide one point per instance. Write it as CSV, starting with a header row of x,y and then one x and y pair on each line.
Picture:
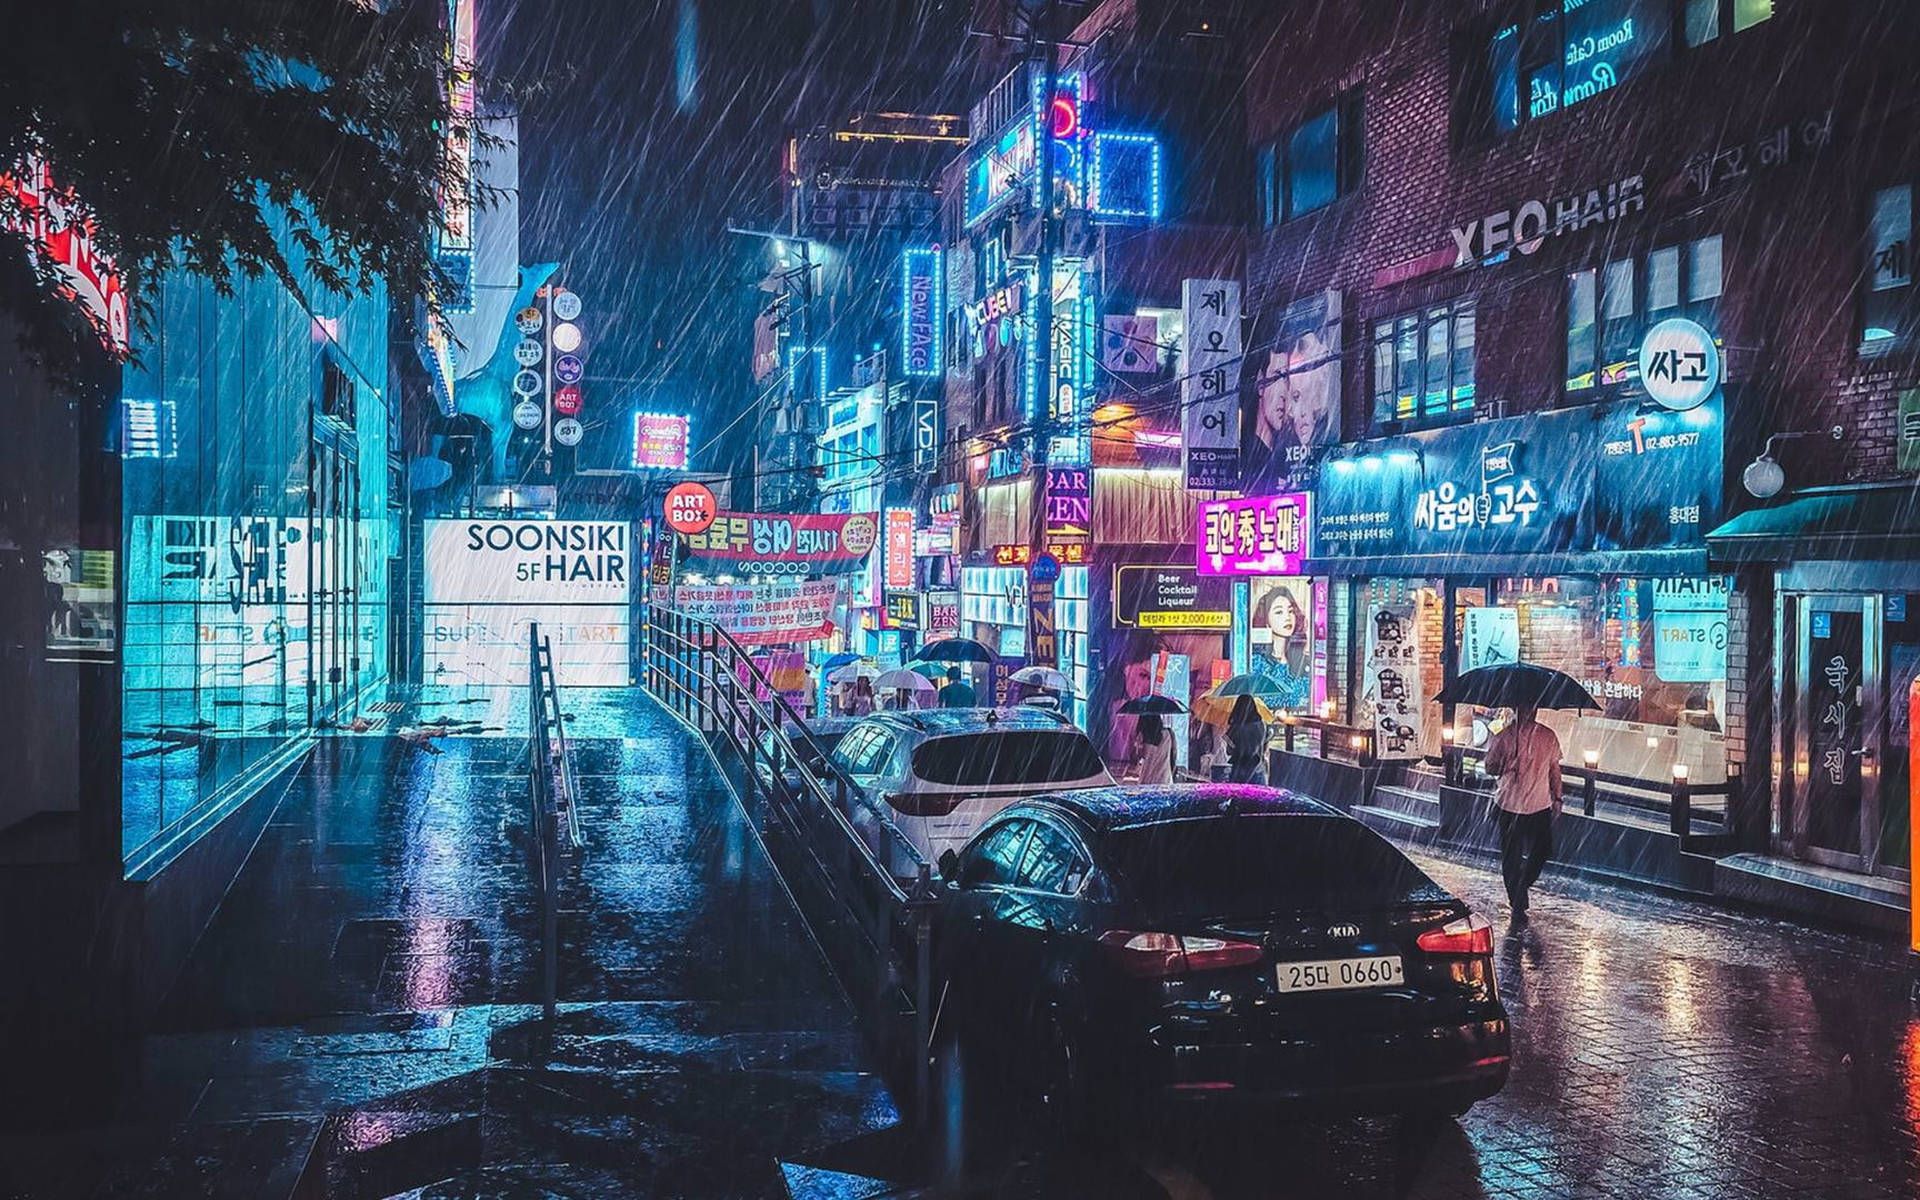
x,y
933,671
911,681
1257,686
1039,676
1215,709
848,672
955,650
838,660
1516,685
1153,703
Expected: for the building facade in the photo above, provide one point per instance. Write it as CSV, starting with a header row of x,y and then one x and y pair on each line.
x,y
1568,272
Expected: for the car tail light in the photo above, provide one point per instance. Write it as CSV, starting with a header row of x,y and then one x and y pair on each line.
x,y
1467,935
1162,955
924,804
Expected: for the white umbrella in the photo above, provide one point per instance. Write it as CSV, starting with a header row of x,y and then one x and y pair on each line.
x,y
1038,676
852,671
912,681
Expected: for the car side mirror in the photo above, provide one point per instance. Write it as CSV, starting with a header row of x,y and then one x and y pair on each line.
x,y
949,866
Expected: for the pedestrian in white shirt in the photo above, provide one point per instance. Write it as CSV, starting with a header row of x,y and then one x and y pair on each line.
x,y
1525,758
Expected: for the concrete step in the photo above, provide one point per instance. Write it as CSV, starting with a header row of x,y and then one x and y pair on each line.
x,y
1820,892
1398,825
1408,800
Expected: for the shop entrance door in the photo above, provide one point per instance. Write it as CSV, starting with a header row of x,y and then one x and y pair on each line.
x,y
1836,702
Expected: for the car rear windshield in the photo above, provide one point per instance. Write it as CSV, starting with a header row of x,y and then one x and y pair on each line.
x,y
1252,865
1007,759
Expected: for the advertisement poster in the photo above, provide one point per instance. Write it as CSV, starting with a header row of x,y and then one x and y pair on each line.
x,y
1280,635
487,581
1260,535
1690,629
528,562
1491,637
765,614
1210,362
1392,682
784,543
1290,407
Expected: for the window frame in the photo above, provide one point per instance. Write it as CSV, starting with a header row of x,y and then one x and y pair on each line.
x,y
1274,169
977,852
1074,845
1639,316
1425,318
1725,22
1904,331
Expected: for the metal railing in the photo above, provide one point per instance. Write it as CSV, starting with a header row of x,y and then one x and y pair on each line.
x,y
1675,800
549,805
847,848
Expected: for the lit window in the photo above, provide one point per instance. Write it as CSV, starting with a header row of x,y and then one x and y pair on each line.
x,y
1565,53
1423,364
1610,309
1704,19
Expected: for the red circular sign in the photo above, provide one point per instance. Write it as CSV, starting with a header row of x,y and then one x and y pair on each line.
x,y
690,507
566,400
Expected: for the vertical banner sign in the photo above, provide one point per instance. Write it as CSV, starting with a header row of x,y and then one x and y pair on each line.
x,y
1393,679
1043,645
899,567
926,435
1069,513
1210,382
920,276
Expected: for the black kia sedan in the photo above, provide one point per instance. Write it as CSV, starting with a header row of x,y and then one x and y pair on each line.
x,y
1213,942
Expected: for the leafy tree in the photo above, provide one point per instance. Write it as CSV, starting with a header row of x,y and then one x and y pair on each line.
x,y
181,124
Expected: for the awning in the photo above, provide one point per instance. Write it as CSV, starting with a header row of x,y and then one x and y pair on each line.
x,y
1848,522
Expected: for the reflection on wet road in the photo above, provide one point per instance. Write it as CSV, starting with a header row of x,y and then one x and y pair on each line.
x,y
359,1021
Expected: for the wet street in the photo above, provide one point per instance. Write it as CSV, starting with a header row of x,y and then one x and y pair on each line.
x,y
360,1020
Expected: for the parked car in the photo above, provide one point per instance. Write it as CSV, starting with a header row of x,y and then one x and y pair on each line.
x,y
813,746
1214,942
936,775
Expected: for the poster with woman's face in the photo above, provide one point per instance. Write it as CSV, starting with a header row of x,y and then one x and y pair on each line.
x,y
1280,635
1290,406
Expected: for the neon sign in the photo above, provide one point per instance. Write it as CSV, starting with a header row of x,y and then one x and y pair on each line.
x,y
61,231
920,305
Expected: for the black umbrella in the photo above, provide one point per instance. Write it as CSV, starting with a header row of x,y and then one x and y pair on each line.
x,y
954,650
1517,685
1153,703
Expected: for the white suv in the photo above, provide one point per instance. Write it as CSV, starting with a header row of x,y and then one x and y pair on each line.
x,y
937,775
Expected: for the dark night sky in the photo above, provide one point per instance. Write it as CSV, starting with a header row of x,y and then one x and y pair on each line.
x,y
629,181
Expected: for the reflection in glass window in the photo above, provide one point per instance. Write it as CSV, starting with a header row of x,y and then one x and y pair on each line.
x,y
1582,297
1310,166
1663,279
1609,311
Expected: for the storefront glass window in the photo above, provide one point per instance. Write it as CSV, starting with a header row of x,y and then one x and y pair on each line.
x,y
1902,616
1071,615
256,555
1652,651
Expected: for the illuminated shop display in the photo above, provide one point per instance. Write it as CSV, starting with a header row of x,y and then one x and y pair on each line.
x,y
149,429
61,232
796,356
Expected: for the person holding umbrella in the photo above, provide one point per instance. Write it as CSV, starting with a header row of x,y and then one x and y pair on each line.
x,y
957,692
1525,760
1153,750
1247,738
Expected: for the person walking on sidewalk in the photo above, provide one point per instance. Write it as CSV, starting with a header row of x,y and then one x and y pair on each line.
x,y
1525,759
1246,742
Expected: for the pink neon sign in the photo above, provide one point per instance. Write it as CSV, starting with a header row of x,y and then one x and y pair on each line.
x,y
1259,535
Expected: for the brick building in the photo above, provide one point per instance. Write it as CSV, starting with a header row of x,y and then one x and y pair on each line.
x,y
1480,212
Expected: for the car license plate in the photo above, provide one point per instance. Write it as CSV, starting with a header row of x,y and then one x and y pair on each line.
x,y
1336,974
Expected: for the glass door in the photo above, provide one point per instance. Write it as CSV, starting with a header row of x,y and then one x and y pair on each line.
x,y
1838,713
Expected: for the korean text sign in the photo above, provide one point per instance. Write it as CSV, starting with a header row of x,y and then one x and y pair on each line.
x,y
1258,535
786,543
